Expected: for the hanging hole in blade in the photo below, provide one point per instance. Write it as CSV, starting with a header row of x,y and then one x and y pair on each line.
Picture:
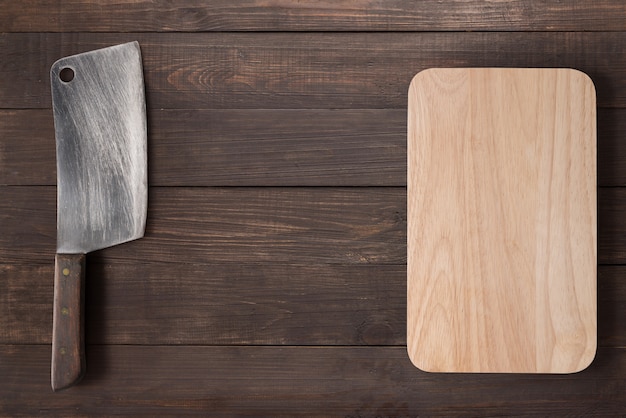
x,y
66,74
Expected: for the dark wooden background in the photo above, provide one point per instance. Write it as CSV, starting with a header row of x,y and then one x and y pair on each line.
x,y
271,281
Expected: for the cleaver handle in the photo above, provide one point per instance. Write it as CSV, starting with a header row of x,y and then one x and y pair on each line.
x,y
68,337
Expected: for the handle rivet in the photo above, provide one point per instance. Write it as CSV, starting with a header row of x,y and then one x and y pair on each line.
x,y
66,272
62,350
65,311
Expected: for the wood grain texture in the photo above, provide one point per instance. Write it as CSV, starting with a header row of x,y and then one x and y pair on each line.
x,y
280,15
255,304
289,276
176,303
28,223
612,244
234,147
68,329
307,70
266,147
27,147
297,381
230,225
502,220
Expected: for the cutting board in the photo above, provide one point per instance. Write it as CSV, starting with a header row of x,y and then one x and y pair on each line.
x,y
501,220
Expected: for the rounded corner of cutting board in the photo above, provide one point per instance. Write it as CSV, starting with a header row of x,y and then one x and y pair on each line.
x,y
420,76
417,361
586,78
587,360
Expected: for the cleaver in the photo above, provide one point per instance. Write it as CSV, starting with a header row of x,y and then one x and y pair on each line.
x,y
98,102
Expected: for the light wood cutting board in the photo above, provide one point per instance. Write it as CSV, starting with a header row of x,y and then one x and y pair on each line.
x,y
502,220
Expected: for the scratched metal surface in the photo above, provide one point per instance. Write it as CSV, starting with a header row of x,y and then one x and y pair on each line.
x,y
101,140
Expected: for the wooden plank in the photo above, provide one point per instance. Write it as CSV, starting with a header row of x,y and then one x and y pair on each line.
x,y
611,147
234,147
257,304
230,225
611,297
307,70
279,147
27,147
296,381
295,225
195,225
272,147
612,226
343,15
175,303
502,231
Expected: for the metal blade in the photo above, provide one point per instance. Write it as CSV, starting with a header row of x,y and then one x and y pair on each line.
x,y
99,109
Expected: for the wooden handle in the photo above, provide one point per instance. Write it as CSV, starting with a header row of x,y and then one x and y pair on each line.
x,y
68,338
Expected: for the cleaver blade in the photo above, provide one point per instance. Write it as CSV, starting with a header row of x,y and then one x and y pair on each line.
x,y
99,108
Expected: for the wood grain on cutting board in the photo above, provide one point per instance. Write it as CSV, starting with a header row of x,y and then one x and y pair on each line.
x,y
502,220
